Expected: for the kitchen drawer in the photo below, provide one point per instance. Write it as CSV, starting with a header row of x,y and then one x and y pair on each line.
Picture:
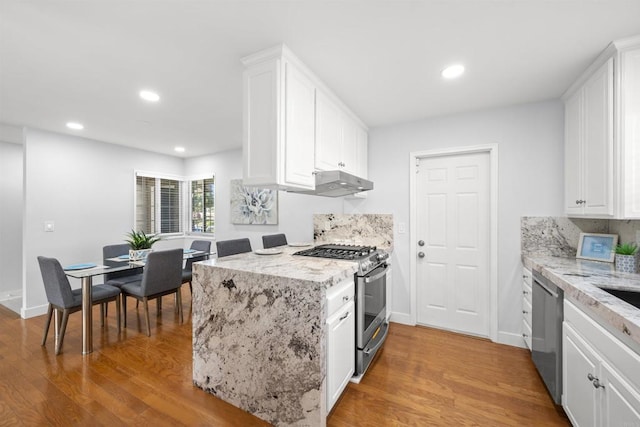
x,y
526,276
526,333
339,295
526,311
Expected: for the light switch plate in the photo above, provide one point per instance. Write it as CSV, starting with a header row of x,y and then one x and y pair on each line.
x,y
49,226
402,227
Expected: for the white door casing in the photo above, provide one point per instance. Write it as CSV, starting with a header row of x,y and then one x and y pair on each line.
x,y
461,246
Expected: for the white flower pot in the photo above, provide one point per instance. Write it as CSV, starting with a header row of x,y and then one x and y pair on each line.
x,y
627,263
138,254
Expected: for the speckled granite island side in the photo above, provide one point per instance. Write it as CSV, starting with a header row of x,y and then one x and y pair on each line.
x,y
259,333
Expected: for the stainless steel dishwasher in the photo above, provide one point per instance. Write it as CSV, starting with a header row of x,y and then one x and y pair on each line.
x,y
546,332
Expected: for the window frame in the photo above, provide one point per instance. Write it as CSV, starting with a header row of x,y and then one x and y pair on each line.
x,y
185,204
189,206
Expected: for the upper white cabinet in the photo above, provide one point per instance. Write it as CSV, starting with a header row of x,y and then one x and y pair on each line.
x,y
338,138
278,121
293,124
602,134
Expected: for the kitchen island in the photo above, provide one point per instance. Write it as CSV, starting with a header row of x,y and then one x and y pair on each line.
x,y
259,330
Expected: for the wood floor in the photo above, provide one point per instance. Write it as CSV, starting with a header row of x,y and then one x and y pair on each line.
x,y
423,377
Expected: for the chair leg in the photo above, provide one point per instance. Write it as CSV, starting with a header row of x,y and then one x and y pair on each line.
x,y
158,305
63,328
102,314
47,324
124,310
145,302
179,303
118,312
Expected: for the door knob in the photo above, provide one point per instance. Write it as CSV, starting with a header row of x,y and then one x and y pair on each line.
x,y
420,242
420,254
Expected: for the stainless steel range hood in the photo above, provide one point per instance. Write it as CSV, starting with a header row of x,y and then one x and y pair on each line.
x,y
337,183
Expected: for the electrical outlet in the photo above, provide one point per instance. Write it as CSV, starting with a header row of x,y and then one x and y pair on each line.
x,y
327,225
402,227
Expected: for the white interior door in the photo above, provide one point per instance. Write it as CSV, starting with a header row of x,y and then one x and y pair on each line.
x,y
453,242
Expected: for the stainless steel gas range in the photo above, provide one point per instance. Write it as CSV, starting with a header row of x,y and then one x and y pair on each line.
x,y
370,289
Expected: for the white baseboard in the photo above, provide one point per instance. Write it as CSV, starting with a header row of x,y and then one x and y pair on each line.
x,y
402,318
509,338
39,310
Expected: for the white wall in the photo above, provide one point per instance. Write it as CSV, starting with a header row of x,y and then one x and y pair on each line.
x,y
10,219
295,217
530,146
87,188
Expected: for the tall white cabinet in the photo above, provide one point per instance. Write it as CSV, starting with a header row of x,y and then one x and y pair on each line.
x,y
602,135
294,125
278,122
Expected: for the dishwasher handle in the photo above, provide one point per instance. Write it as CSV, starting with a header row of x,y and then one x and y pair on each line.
x,y
545,288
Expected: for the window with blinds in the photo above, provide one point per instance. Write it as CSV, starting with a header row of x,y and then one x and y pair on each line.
x,y
158,205
203,205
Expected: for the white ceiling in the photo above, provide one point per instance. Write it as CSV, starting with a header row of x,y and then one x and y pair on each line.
x,y
86,60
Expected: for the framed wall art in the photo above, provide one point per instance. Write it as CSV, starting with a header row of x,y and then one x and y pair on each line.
x,y
251,205
597,247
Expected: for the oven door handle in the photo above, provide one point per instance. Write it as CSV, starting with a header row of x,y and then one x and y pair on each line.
x,y
369,279
381,340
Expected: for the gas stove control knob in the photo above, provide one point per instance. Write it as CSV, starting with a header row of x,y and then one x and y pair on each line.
x,y
382,257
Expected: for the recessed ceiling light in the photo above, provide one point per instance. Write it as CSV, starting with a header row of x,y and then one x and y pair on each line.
x,y
179,149
453,71
150,96
75,126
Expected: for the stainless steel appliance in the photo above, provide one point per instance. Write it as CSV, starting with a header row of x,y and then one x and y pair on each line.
x,y
371,296
337,183
546,331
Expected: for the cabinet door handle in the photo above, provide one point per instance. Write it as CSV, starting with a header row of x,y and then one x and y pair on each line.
x,y
344,316
595,381
525,292
346,298
524,335
525,312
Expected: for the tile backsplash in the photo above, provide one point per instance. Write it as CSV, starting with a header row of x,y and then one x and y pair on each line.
x,y
559,236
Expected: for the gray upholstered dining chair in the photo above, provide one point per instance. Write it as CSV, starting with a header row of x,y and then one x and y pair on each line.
x,y
118,278
162,276
233,247
187,271
62,298
274,240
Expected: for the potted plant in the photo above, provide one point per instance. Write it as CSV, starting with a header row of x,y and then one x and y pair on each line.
x,y
140,244
627,257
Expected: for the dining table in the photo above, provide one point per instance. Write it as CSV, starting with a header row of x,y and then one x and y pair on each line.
x,y
86,272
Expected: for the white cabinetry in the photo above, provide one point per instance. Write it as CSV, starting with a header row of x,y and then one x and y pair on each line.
x,y
526,306
589,146
602,134
278,122
293,124
601,375
341,341
339,138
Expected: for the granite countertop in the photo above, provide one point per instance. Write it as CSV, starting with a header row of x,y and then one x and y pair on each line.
x,y
584,281
322,271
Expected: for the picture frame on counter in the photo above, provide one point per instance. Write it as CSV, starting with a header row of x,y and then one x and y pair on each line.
x,y
597,247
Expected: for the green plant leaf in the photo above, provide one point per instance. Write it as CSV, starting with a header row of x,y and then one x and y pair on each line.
x,y
627,249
